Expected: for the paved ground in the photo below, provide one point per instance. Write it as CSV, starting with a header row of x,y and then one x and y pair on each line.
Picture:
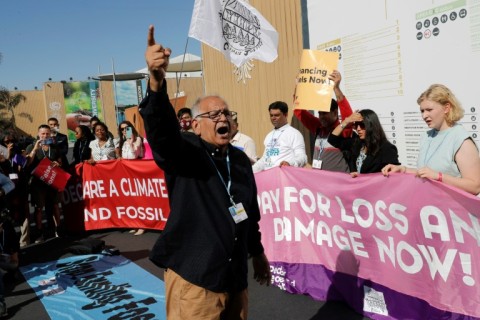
x,y
265,302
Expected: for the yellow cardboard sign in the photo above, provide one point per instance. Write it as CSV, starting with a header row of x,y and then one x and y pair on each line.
x,y
314,90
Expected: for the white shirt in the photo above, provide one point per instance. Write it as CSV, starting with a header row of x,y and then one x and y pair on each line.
x,y
283,144
132,150
105,152
246,144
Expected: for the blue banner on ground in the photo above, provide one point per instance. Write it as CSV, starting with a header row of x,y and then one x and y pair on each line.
x,y
96,287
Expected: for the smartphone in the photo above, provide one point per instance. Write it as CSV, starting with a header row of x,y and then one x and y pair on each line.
x,y
48,141
129,132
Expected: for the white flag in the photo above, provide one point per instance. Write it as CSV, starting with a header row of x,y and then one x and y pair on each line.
x,y
235,28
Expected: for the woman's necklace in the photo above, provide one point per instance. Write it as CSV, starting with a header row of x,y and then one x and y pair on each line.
x,y
101,143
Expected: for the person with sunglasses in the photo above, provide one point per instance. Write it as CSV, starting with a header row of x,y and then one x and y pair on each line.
x,y
130,144
130,147
212,228
368,150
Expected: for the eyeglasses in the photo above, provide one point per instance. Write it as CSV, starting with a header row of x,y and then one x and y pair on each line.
x,y
123,128
359,124
215,114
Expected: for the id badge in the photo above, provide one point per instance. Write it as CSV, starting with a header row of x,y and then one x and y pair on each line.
x,y
317,164
268,162
13,176
238,213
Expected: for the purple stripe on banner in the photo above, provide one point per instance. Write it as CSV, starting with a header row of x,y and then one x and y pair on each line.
x,y
364,296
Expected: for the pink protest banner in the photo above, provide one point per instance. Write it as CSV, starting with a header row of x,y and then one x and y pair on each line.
x,y
393,248
124,194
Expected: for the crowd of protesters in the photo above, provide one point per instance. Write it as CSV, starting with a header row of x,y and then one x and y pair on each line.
x,y
357,145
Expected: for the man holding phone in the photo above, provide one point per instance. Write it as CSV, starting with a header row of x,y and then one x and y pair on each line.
x,y
41,193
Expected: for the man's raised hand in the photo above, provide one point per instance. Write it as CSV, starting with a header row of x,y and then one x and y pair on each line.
x,y
157,58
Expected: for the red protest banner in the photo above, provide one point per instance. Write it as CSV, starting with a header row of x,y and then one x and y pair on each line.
x,y
52,176
124,194
73,206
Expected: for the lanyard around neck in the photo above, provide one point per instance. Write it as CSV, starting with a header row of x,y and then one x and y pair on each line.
x,y
45,155
229,182
323,143
274,141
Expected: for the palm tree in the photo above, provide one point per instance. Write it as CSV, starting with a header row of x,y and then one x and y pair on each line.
x,y
8,102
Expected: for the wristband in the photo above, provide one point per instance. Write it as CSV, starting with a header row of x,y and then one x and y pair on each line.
x,y
440,177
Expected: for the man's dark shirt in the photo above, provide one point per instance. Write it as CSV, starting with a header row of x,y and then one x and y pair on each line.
x,y
201,241
61,140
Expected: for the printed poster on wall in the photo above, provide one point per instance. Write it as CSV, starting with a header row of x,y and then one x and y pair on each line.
x,y
314,90
82,101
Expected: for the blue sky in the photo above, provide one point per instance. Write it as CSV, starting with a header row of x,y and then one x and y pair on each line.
x,y
59,39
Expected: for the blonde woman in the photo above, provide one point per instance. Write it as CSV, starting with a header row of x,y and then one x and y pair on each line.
x,y
447,152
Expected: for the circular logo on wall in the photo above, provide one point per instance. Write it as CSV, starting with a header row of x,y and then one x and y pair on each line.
x,y
55,106
427,33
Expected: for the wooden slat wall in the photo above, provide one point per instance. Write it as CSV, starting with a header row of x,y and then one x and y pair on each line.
x,y
34,109
270,81
54,104
108,105
192,87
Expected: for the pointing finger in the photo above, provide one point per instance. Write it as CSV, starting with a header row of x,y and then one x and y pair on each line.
x,y
151,36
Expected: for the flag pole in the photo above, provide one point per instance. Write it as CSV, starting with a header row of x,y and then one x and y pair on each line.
x,y
178,79
101,93
115,93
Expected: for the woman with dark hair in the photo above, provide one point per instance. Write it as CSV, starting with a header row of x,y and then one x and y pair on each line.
x,y
81,148
130,144
103,147
130,147
368,150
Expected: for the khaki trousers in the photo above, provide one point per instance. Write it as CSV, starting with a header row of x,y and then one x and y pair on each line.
x,y
186,301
